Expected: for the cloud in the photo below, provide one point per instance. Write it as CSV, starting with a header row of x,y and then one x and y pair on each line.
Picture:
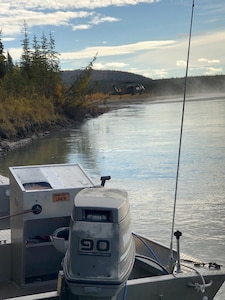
x,y
81,27
109,66
55,13
154,59
15,53
8,39
99,19
68,4
214,71
181,63
213,11
209,61
56,18
116,50
96,20
12,24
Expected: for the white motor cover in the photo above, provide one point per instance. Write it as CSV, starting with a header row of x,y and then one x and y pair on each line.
x,y
101,248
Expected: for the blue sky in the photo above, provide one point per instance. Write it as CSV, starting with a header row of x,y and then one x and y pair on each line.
x,y
147,37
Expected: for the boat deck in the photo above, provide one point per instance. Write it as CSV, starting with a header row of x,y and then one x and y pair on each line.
x,y
18,293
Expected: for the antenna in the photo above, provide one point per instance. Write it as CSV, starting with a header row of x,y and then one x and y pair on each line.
x,y
171,263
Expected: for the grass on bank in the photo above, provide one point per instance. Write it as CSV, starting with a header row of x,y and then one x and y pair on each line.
x,y
22,117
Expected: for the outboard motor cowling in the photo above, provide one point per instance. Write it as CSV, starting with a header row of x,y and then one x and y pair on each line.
x,y
101,249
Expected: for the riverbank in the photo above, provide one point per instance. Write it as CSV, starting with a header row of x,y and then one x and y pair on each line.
x,y
117,102
113,102
99,107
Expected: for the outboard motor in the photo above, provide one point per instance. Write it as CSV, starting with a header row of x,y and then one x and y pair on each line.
x,y
101,249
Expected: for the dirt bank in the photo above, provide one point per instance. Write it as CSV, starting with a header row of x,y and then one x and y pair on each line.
x,y
99,107
113,102
8,145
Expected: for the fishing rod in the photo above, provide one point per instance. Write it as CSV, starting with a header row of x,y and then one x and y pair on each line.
x,y
172,261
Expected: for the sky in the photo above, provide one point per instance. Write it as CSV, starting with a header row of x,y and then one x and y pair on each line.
x,y
146,37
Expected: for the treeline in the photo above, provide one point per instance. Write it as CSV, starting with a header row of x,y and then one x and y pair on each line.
x,y
32,94
103,81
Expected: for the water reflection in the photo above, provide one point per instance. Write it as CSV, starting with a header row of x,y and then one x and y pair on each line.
x,y
39,151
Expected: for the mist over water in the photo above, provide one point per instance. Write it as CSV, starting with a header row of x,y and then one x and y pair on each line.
x,y
138,147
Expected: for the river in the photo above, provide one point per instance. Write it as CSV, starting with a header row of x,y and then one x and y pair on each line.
x,y
138,147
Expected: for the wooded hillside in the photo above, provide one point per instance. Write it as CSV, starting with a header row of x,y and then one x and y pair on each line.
x,y
102,81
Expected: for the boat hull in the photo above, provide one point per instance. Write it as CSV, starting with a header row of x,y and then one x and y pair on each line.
x,y
166,287
173,288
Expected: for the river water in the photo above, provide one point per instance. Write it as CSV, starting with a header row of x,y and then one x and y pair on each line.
x,y
138,147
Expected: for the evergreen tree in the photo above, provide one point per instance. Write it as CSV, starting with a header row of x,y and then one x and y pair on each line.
x,y
44,51
36,55
2,59
36,67
53,55
54,78
25,63
10,65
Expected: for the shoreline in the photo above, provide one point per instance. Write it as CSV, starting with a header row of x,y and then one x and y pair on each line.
x,y
114,102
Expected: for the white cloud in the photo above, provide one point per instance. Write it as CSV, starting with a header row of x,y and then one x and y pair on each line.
x,y
146,57
15,53
81,27
56,18
54,12
116,64
209,61
12,24
214,71
116,50
181,63
94,21
213,11
68,4
7,39
109,66
99,19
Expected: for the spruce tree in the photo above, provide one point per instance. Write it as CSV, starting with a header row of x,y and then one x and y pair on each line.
x,y
25,62
10,65
2,59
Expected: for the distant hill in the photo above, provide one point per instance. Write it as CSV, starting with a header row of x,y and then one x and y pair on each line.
x,y
99,75
102,81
